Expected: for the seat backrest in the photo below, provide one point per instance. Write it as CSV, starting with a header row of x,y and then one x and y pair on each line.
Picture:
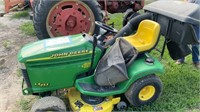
x,y
148,32
146,36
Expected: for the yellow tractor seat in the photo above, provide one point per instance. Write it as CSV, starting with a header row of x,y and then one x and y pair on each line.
x,y
146,36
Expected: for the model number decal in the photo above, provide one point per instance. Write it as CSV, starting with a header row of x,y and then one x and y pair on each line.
x,y
42,84
61,55
86,65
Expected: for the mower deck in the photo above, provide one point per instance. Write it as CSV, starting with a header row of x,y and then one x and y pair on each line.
x,y
77,103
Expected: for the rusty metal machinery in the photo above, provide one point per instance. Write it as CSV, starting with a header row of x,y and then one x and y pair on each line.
x,y
11,5
117,6
67,17
112,6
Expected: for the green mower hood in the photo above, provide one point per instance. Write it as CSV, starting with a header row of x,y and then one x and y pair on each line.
x,y
55,63
54,48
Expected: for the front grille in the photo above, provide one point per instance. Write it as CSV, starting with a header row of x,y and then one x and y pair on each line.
x,y
26,78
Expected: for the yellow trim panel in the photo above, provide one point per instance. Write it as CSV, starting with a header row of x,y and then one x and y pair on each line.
x,y
106,106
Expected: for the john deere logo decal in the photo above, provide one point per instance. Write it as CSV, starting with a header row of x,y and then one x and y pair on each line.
x,y
61,55
74,53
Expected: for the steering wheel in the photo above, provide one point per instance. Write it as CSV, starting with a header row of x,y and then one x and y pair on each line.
x,y
105,27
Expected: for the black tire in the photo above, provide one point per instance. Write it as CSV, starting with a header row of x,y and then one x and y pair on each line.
x,y
133,92
49,103
43,8
128,16
34,4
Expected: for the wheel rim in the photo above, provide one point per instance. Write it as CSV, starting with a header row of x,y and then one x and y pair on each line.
x,y
70,17
147,93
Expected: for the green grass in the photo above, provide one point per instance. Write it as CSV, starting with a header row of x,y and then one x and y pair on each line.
x,y
181,90
6,44
19,73
117,20
25,103
28,29
2,2
21,14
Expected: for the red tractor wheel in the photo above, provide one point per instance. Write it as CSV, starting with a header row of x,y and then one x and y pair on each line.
x,y
66,17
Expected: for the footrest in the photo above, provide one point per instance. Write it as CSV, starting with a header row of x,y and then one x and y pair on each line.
x,y
97,88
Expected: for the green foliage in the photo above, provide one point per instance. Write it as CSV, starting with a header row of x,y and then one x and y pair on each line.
x,y
117,20
21,14
180,83
28,29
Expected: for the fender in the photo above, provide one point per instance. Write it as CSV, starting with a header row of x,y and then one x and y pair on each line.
x,y
141,69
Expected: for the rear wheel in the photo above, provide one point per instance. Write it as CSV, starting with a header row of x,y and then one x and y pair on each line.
x,y
66,17
34,4
50,103
144,91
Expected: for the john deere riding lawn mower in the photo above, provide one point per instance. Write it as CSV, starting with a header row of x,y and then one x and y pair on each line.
x,y
95,73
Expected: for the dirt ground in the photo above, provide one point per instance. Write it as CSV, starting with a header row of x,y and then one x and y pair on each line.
x,y
11,40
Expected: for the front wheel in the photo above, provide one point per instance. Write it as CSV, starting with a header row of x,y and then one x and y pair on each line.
x,y
144,91
50,103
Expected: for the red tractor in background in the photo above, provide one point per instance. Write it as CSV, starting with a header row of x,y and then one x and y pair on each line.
x,y
54,18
